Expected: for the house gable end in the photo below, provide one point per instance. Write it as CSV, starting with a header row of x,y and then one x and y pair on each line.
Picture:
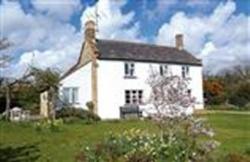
x,y
84,58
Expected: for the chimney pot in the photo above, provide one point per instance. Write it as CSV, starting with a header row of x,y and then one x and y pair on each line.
x,y
179,41
90,31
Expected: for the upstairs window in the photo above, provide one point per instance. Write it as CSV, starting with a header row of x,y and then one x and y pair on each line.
x,y
133,96
129,69
70,95
164,70
185,71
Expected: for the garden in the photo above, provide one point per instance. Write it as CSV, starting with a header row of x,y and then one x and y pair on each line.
x,y
168,134
220,133
24,142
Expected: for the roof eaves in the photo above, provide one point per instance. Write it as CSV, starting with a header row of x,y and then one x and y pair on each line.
x,y
199,63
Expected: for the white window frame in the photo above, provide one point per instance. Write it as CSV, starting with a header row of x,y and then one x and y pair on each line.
x,y
129,69
71,95
164,69
185,70
134,96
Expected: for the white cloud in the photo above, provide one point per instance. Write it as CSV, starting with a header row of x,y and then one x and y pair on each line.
x,y
49,40
54,43
45,41
29,31
207,49
220,39
60,57
59,9
112,23
159,10
193,29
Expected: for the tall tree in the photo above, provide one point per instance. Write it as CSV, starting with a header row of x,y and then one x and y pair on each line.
x,y
4,61
48,80
171,104
243,72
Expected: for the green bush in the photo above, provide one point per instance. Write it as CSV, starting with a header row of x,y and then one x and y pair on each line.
x,y
228,107
221,107
238,100
246,107
90,105
241,95
52,125
2,117
69,114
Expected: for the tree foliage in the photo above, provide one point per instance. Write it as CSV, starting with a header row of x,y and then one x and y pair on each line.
x,y
214,91
45,79
241,95
232,87
25,91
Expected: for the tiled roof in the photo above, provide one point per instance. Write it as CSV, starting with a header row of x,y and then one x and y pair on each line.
x,y
128,51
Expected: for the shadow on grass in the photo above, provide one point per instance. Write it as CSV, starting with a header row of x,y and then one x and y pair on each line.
x,y
22,153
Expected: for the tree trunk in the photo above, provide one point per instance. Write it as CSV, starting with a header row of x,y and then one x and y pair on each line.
x,y
8,102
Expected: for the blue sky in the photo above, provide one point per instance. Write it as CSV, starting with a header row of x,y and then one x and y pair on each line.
x,y
49,33
139,6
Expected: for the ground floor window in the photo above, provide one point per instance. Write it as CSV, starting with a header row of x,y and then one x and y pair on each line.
x,y
70,95
133,96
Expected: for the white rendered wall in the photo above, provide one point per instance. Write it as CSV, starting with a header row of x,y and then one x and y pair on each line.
x,y
112,84
81,79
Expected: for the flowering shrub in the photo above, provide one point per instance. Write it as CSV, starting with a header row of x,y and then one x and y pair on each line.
x,y
53,125
183,145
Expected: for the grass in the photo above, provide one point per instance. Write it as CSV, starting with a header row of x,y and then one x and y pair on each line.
x,y
232,131
63,145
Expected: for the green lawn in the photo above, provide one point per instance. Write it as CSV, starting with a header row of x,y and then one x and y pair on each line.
x,y
233,131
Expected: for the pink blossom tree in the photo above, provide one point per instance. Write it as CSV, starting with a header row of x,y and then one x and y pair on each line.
x,y
169,97
171,108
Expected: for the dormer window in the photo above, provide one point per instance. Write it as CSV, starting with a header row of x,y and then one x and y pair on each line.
x,y
164,70
129,70
185,71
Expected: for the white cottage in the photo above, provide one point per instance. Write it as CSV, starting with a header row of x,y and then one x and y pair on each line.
x,y
112,73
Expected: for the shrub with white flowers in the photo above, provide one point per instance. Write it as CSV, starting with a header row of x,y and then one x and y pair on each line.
x,y
141,146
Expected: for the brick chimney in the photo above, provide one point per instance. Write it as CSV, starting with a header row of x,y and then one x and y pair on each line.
x,y
179,41
90,31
